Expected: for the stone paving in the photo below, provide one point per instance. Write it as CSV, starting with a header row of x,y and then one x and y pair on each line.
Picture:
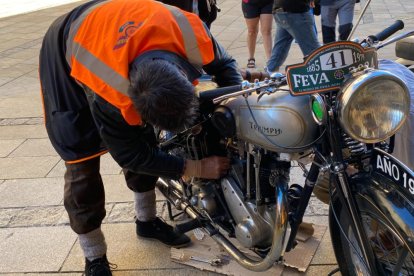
x,y
35,237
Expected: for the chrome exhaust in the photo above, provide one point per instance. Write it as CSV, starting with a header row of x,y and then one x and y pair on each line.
x,y
279,233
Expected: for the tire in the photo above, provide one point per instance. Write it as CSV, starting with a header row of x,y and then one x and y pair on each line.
x,y
389,234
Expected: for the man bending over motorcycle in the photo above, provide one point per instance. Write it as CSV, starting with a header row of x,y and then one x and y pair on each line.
x,y
109,72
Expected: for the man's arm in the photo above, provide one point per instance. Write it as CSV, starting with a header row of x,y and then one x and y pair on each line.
x,y
133,147
224,67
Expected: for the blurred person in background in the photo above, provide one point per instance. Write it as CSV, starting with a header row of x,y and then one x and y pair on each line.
x,y
258,12
330,11
293,22
205,9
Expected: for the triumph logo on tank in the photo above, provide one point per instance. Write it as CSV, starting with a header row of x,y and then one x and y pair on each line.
x,y
270,131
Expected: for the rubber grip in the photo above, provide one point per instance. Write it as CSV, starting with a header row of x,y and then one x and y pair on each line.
x,y
389,31
217,92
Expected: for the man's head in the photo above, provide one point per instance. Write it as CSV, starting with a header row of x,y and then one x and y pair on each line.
x,y
163,95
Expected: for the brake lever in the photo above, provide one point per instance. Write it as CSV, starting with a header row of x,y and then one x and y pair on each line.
x,y
262,94
278,79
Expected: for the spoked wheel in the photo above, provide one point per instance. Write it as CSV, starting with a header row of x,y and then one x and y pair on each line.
x,y
389,248
388,220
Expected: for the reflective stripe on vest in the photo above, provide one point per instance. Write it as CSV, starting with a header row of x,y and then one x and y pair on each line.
x,y
113,81
74,27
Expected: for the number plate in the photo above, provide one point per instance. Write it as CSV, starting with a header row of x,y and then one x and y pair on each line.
x,y
390,167
325,69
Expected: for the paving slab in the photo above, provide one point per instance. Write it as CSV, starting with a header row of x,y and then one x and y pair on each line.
x,y
7,146
6,216
324,254
13,121
22,107
121,212
316,207
26,167
22,132
5,61
31,192
24,82
4,80
313,270
181,272
126,251
34,147
116,189
38,216
40,249
108,166
125,212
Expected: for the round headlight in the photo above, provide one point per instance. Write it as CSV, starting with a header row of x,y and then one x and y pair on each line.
x,y
372,106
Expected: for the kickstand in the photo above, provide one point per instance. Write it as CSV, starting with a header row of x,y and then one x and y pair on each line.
x,y
170,214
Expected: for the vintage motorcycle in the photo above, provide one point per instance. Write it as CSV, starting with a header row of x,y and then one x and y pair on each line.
x,y
335,115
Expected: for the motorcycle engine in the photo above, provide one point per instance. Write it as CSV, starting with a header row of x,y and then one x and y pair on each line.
x,y
243,202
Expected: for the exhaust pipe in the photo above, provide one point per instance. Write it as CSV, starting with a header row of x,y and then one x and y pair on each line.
x,y
279,232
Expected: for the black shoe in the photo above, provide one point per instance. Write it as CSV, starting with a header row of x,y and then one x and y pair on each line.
x,y
97,267
159,230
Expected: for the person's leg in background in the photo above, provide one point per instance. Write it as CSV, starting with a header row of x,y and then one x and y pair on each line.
x,y
311,11
281,46
301,27
314,25
251,15
328,21
346,17
266,22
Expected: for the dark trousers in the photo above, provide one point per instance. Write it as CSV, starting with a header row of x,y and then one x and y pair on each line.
x,y
84,196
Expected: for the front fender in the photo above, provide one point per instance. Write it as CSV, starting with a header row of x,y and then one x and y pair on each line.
x,y
376,191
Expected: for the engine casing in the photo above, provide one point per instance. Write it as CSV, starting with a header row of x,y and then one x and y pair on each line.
x,y
286,120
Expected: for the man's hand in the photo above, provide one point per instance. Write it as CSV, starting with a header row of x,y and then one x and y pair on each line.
x,y
212,167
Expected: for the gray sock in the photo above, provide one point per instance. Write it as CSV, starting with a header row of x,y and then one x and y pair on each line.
x,y
145,206
93,244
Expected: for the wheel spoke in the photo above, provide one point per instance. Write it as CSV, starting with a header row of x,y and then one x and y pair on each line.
x,y
388,248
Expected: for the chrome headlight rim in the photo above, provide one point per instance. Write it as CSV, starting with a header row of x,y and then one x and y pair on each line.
x,y
355,85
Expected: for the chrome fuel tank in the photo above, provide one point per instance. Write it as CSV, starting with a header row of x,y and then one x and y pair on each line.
x,y
285,120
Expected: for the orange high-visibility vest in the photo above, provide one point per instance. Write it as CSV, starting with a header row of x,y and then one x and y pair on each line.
x,y
105,39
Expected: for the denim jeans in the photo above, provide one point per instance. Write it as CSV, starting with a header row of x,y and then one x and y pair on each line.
x,y
344,10
290,26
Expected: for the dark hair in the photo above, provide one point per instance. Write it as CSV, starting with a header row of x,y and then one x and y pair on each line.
x,y
162,95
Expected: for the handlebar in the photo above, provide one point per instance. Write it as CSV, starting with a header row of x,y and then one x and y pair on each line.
x,y
246,88
217,92
387,32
